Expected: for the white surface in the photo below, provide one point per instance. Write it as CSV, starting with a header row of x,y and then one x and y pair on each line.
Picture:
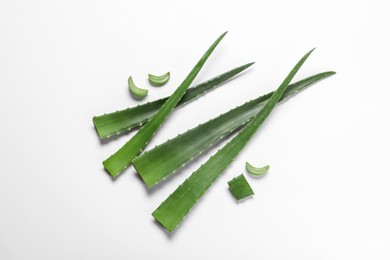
x,y
326,195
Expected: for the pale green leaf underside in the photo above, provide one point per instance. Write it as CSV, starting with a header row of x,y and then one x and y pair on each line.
x,y
158,163
173,210
117,162
124,120
159,80
258,171
137,92
240,187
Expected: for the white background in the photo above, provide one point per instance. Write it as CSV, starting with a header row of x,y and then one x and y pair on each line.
x,y
326,195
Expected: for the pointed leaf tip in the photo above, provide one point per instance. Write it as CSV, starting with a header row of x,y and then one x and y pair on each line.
x,y
310,52
223,35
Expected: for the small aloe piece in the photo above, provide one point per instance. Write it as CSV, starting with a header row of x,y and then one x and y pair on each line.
x,y
138,93
163,160
172,211
240,187
159,80
124,120
257,171
117,162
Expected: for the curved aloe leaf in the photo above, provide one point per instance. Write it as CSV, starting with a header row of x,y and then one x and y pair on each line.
x,y
124,120
138,93
240,187
257,171
159,80
117,162
173,210
158,163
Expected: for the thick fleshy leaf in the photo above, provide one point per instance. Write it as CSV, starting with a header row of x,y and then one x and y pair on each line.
x,y
117,162
173,210
124,120
163,160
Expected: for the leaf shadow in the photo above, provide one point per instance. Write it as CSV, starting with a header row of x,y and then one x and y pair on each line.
x,y
257,177
114,137
241,200
112,178
169,235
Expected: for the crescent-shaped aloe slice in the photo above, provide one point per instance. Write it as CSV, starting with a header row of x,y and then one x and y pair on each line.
x,y
138,93
240,187
117,162
173,210
124,120
257,171
159,80
163,160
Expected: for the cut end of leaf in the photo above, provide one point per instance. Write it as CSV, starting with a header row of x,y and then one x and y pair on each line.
x,y
148,179
112,168
95,121
257,171
165,222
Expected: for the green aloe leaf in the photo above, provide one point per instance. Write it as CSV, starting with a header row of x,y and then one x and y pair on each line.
x,y
240,187
173,210
117,162
256,171
159,80
163,160
136,92
121,121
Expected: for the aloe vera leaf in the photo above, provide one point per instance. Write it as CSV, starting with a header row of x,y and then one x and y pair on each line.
x,y
172,211
124,120
163,160
159,80
138,93
240,187
257,171
117,162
